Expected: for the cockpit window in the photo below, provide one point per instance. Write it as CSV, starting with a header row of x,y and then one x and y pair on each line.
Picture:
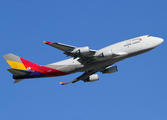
x,y
148,35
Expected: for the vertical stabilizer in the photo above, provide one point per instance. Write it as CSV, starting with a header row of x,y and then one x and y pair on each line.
x,y
14,61
22,69
17,62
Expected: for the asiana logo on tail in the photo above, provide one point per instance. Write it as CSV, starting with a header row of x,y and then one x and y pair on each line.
x,y
28,68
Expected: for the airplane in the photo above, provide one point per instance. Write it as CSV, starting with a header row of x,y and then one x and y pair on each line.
x,y
83,60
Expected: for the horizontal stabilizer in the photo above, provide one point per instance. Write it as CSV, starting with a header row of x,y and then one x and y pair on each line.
x,y
18,80
18,72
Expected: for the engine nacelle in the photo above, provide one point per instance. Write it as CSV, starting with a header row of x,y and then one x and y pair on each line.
x,y
106,54
110,69
92,78
81,50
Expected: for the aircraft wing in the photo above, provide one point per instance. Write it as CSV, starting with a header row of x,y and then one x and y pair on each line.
x,y
88,76
83,77
84,53
60,46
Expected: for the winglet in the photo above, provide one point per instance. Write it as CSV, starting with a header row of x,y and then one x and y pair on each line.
x,y
62,83
73,81
47,42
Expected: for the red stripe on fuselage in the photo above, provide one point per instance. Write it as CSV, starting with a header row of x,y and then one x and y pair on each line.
x,y
52,72
45,70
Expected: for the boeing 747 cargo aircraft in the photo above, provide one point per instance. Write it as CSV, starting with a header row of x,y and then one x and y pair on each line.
x,y
83,60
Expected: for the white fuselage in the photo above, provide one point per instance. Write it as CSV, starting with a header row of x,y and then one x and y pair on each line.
x,y
121,50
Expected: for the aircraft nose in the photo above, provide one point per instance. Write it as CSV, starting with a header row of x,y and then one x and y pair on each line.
x,y
158,41
162,40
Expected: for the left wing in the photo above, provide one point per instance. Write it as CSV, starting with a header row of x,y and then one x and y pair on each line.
x,y
85,77
84,53
89,77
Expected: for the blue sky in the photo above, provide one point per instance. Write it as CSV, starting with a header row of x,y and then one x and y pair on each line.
x,y
138,91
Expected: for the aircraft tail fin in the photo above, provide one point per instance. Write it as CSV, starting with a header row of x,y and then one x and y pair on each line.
x,y
17,62
20,68
24,69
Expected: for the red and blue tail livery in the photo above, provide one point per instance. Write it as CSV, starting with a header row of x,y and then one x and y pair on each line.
x,y
22,68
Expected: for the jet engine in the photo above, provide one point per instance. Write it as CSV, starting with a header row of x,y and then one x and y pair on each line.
x,y
81,50
92,78
106,54
110,69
